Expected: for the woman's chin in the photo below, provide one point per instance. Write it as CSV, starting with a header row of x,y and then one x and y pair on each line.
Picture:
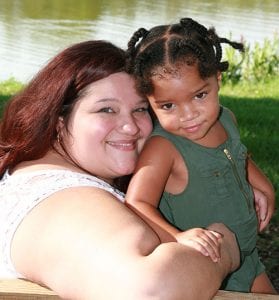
x,y
126,169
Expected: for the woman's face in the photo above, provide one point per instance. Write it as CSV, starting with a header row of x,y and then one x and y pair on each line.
x,y
108,127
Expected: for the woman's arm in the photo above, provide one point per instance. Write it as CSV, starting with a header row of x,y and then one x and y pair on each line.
x,y
85,244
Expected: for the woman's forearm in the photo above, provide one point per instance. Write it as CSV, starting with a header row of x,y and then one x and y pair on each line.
x,y
187,274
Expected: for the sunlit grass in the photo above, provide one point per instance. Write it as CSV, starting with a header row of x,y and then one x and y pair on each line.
x,y
7,89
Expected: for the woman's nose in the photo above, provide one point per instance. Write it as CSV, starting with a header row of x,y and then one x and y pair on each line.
x,y
129,126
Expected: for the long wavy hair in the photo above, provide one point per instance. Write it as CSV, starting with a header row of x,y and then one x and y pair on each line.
x,y
28,128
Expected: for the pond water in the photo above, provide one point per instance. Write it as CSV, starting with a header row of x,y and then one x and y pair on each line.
x,y
31,32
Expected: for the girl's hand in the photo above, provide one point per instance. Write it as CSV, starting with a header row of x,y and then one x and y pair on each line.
x,y
205,241
229,243
263,209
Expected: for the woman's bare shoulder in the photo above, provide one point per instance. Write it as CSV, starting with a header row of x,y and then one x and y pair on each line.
x,y
77,226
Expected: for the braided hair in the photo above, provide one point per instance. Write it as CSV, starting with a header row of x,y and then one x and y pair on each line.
x,y
167,45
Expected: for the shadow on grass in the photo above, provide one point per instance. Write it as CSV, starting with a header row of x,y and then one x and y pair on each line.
x,y
258,124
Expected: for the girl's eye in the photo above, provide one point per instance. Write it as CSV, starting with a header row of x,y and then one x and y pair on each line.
x,y
106,110
201,96
167,106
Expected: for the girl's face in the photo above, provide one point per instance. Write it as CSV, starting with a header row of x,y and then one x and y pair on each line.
x,y
184,103
108,127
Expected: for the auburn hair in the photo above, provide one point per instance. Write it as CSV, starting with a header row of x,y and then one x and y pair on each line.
x,y
28,128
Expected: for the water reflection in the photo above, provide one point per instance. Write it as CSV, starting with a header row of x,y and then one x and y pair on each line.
x,y
33,31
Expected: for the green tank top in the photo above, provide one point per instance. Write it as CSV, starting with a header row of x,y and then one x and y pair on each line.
x,y
217,189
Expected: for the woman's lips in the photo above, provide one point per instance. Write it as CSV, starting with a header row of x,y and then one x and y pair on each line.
x,y
123,145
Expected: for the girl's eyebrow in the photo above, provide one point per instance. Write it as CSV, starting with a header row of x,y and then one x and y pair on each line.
x,y
158,101
206,84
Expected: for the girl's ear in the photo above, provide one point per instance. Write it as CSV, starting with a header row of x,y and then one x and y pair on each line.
x,y
219,78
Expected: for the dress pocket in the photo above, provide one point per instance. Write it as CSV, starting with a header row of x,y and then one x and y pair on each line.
x,y
216,180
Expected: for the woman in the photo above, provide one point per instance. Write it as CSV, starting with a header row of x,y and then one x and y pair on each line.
x,y
65,139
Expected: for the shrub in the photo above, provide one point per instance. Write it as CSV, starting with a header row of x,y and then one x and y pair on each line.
x,y
257,64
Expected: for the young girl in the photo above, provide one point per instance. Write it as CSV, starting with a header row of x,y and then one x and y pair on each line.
x,y
194,170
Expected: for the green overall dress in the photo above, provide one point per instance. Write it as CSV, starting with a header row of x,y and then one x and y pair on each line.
x,y
217,191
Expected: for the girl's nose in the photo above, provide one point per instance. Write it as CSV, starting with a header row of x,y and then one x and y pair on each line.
x,y
188,113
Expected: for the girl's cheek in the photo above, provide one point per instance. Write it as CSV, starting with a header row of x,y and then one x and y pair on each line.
x,y
167,120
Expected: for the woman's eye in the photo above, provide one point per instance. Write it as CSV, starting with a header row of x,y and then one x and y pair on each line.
x,y
201,95
106,110
141,109
167,106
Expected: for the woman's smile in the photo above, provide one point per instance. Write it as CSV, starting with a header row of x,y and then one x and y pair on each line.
x,y
124,145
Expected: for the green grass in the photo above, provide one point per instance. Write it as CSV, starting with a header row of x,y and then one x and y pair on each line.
x,y
7,89
256,107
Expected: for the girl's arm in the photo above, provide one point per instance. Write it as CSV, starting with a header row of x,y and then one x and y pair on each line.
x,y
263,190
261,183
154,171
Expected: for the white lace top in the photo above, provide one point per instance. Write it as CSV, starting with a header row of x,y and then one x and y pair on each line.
x,y
20,193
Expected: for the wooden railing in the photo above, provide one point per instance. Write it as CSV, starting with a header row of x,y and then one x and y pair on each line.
x,y
25,290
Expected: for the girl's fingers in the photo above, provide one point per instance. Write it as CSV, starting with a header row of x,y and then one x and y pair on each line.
x,y
211,240
206,247
205,241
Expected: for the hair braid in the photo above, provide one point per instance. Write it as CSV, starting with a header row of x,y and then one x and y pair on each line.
x,y
223,66
186,42
140,33
192,25
214,39
131,50
235,45
197,49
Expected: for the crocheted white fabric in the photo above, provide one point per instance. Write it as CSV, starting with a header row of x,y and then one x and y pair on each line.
x,y
20,193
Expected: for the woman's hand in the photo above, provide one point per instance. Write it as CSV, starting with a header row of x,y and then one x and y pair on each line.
x,y
207,242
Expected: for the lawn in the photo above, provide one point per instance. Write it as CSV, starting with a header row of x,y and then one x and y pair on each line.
x,y
256,107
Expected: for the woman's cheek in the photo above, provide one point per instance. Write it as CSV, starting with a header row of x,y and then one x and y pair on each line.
x,y
149,127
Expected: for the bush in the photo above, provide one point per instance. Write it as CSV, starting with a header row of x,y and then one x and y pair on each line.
x,y
256,64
